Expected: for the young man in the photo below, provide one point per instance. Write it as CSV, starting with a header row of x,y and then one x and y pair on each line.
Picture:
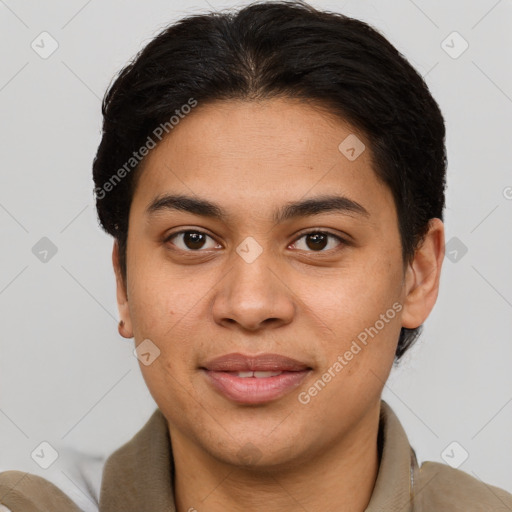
x,y
274,181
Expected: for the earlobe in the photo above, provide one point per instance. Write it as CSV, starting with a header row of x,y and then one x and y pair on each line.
x,y
125,324
423,277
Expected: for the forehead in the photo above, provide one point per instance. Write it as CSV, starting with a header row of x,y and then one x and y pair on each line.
x,y
276,130
248,153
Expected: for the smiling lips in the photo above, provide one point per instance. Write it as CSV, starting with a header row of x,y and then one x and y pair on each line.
x,y
254,379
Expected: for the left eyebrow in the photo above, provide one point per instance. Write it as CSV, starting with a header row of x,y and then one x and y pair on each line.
x,y
304,208
319,205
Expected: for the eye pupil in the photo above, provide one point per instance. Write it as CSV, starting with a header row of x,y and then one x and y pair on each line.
x,y
193,239
319,240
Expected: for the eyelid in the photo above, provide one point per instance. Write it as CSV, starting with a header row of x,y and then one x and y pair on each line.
x,y
186,230
325,231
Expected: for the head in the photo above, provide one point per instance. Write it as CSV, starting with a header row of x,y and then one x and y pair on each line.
x,y
274,183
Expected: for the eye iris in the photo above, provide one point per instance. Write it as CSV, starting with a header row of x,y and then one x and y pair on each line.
x,y
193,239
319,240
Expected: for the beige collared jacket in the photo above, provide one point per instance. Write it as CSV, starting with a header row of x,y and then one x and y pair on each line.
x,y
137,477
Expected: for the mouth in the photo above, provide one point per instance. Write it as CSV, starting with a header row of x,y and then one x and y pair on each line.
x,y
254,379
256,374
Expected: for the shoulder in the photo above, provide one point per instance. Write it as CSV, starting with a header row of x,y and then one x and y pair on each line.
x,y
21,491
441,487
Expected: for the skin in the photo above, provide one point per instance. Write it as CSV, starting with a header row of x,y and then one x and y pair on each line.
x,y
296,299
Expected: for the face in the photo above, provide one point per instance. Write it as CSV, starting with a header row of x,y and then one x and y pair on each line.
x,y
282,245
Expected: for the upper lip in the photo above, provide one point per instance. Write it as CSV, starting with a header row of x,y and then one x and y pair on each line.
x,y
265,362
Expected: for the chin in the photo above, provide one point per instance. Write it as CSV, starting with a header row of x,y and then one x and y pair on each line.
x,y
257,452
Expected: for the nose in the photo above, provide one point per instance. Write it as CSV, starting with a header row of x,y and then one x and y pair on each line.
x,y
254,295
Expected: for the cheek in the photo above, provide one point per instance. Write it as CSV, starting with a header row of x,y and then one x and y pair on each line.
x,y
166,315
150,307
172,390
358,315
160,303
355,296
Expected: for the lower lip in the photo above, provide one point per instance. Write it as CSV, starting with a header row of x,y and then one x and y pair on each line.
x,y
253,390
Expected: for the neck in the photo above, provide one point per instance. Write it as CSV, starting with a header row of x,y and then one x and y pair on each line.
x,y
340,478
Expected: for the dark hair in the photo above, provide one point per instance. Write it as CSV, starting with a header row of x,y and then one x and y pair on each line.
x,y
280,49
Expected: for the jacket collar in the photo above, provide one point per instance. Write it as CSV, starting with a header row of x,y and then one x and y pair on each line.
x,y
398,469
139,474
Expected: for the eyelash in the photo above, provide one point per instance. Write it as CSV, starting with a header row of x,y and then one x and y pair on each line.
x,y
301,235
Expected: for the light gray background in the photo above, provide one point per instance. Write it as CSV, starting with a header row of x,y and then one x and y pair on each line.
x,y
68,378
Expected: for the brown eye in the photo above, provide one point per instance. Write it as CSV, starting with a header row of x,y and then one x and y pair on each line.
x,y
317,241
191,240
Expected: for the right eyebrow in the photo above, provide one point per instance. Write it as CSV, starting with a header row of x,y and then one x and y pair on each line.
x,y
179,202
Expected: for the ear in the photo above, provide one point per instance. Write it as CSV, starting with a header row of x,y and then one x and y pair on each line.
x,y
423,275
125,326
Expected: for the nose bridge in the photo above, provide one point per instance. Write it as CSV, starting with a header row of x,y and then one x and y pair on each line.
x,y
252,292
253,268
